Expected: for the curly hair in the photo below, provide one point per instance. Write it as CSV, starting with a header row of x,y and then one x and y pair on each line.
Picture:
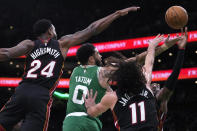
x,y
129,76
84,52
41,27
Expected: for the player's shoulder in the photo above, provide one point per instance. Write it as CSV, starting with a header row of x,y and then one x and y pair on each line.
x,y
27,42
149,89
111,95
110,99
76,69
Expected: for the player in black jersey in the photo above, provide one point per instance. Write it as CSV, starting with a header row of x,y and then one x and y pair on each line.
x,y
163,95
44,61
134,102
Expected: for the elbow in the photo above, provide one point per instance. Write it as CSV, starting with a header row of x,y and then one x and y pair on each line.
x,y
4,54
91,113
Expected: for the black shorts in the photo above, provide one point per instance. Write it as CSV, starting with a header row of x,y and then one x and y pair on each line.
x,y
30,103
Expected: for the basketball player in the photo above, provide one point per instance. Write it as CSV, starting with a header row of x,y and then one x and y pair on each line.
x,y
45,56
165,93
134,96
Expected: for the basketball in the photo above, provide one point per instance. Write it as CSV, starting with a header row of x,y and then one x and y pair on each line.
x,y
176,17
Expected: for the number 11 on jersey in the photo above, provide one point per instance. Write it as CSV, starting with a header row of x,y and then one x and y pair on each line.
x,y
134,108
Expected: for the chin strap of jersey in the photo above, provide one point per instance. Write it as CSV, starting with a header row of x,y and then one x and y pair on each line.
x,y
115,120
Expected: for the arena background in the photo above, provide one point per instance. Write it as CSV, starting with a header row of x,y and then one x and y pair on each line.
x,y
18,16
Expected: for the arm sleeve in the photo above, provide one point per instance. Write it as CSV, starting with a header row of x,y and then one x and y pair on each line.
x,y
171,81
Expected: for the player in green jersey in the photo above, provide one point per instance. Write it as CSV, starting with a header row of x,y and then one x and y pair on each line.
x,y
84,78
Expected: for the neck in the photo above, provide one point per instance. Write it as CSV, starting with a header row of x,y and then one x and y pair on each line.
x,y
91,63
44,38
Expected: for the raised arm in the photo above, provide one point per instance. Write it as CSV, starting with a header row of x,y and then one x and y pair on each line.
x,y
93,29
22,48
169,86
151,57
167,44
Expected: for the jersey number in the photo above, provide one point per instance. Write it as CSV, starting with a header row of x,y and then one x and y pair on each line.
x,y
75,98
134,109
47,71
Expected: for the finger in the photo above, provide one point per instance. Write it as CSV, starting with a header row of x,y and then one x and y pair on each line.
x,y
182,31
91,93
85,100
186,32
95,95
161,37
84,97
186,29
133,8
157,36
168,37
88,94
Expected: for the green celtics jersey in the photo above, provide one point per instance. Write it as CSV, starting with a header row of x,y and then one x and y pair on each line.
x,y
82,80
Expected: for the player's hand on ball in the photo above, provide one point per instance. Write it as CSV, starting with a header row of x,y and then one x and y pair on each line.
x,y
90,100
183,41
171,41
127,10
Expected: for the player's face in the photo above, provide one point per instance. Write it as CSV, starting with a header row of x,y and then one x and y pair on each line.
x,y
53,32
155,88
98,58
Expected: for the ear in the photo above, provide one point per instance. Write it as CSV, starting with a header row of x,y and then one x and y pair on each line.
x,y
91,60
50,32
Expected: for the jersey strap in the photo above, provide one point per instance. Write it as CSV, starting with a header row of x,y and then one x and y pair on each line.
x,y
77,114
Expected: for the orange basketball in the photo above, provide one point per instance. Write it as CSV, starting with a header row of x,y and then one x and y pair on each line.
x,y
176,17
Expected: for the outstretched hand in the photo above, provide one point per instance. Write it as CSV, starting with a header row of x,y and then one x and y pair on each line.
x,y
169,41
127,10
90,100
153,43
183,41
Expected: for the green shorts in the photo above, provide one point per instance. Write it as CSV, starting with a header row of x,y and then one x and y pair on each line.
x,y
81,123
